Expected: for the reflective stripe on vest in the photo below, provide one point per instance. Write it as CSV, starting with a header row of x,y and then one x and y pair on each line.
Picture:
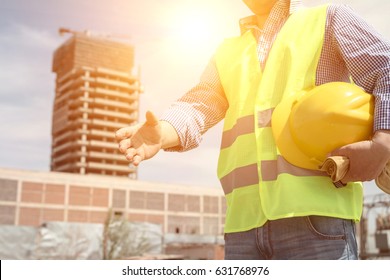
x,y
258,182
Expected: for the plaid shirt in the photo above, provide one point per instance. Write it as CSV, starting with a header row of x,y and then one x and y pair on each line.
x,y
351,49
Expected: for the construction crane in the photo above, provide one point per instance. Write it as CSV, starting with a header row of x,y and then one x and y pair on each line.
x,y
62,31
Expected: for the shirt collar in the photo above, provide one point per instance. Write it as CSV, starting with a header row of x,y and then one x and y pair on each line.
x,y
250,22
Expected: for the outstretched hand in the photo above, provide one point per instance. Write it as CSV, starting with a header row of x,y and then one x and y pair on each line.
x,y
142,141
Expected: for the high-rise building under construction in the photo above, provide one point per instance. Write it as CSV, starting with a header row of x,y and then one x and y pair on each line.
x,y
96,94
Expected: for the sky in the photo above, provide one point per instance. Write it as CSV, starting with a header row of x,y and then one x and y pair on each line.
x,y
173,40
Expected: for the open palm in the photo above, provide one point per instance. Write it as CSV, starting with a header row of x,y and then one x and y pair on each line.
x,y
142,141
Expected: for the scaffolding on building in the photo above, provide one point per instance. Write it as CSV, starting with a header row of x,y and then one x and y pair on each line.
x,y
96,94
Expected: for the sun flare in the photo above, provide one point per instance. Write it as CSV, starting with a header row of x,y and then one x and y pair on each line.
x,y
195,29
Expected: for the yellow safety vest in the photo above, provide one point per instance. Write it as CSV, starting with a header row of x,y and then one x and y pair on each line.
x,y
258,182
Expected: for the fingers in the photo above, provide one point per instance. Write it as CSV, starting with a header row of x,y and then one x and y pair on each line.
x,y
133,155
124,145
137,160
124,132
137,142
130,154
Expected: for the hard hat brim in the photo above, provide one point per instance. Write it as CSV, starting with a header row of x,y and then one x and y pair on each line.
x,y
283,135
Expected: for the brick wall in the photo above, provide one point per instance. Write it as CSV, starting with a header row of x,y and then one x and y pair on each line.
x,y
34,201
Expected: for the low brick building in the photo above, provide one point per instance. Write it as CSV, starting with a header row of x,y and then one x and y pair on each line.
x,y
33,198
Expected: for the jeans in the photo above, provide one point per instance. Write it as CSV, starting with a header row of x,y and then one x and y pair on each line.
x,y
300,238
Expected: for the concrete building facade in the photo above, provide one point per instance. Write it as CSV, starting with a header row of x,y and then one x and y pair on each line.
x,y
96,94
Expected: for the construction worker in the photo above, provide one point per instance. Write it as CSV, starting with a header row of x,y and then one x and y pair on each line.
x,y
276,210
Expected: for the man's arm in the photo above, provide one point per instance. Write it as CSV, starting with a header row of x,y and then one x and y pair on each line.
x,y
199,109
367,57
182,126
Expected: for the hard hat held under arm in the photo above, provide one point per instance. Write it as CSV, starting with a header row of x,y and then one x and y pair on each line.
x,y
309,125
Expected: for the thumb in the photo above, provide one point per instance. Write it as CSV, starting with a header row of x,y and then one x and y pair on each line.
x,y
151,119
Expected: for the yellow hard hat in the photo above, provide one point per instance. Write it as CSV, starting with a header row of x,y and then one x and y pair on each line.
x,y
309,125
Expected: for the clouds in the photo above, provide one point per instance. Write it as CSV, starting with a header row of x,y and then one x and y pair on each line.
x,y
26,95
25,53
26,62
24,36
